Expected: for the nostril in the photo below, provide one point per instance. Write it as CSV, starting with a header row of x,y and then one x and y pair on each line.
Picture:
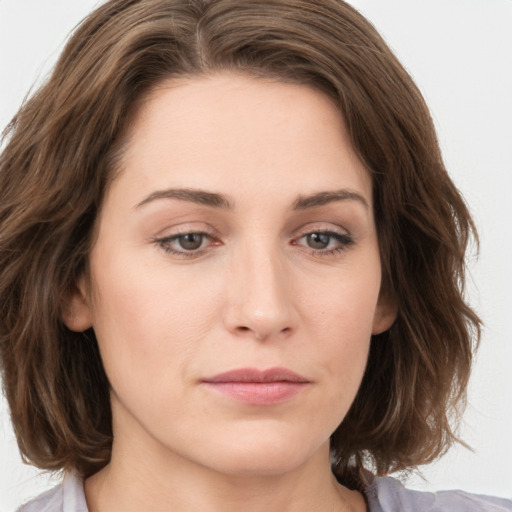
x,y
260,334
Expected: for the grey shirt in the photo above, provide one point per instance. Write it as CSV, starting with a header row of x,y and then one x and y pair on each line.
x,y
384,494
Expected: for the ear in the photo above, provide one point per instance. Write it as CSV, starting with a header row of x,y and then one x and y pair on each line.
x,y
76,311
385,313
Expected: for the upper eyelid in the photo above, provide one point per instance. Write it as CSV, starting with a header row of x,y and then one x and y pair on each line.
x,y
178,234
338,230
186,229
213,233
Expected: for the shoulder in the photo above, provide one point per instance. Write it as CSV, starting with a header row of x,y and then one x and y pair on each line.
x,y
386,494
68,496
49,501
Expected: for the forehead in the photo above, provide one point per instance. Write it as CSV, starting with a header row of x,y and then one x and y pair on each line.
x,y
229,132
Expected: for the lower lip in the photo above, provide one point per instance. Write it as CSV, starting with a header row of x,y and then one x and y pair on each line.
x,y
259,393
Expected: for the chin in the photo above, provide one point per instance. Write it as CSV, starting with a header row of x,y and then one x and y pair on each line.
x,y
262,465
262,456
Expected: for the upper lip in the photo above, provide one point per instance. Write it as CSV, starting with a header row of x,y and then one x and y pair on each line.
x,y
255,375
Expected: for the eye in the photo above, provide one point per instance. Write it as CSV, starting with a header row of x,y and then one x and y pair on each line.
x,y
185,244
318,240
325,242
190,241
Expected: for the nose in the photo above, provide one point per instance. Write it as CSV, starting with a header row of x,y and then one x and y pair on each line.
x,y
259,301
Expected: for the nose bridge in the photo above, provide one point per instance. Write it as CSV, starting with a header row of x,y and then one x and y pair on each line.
x,y
260,300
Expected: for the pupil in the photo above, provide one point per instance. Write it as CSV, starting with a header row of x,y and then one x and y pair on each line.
x,y
191,242
318,240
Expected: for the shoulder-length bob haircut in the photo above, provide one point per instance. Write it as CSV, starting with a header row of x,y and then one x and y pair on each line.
x,y
63,147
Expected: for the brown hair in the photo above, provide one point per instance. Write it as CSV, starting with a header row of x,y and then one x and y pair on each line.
x,y
62,147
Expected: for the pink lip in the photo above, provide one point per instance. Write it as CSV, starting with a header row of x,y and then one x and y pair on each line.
x,y
258,387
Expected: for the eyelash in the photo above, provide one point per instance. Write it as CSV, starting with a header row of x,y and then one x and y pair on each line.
x,y
344,241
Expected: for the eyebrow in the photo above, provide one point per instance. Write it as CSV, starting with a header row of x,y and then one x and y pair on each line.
x,y
192,195
216,200
323,198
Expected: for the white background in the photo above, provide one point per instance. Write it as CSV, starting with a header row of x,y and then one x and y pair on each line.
x,y
460,54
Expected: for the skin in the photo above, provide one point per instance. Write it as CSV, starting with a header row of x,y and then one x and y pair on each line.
x,y
254,291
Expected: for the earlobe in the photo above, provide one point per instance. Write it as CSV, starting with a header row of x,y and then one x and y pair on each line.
x,y
385,314
75,309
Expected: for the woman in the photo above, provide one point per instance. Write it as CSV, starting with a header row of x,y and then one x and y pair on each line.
x,y
232,264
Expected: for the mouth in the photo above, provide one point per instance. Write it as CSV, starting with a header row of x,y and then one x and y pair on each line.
x,y
258,387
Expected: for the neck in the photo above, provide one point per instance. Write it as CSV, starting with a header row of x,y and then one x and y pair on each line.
x,y
145,474
169,483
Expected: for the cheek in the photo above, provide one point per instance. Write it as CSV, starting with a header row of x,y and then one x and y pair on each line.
x,y
337,338
340,317
346,301
146,319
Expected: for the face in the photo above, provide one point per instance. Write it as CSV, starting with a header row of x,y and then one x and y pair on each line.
x,y
235,278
